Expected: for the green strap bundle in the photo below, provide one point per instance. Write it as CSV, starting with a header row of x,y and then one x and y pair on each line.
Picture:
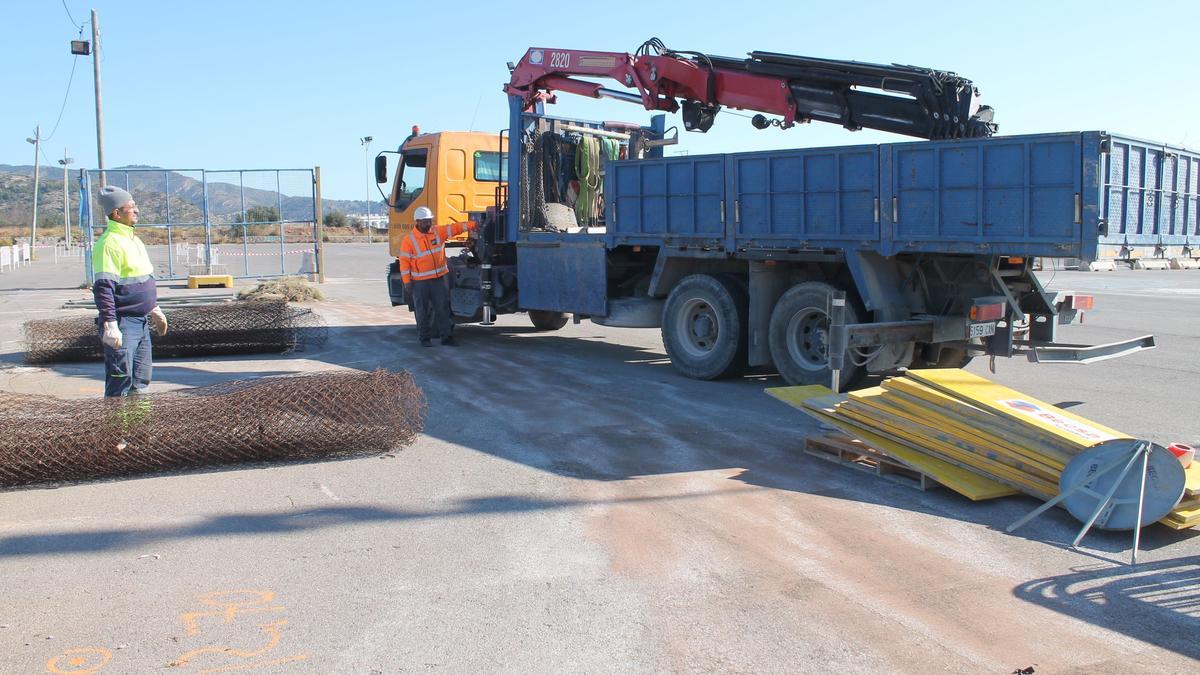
x,y
587,168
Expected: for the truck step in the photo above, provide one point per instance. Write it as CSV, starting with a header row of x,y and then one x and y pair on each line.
x,y
853,453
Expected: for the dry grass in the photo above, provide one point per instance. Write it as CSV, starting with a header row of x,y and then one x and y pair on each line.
x,y
292,289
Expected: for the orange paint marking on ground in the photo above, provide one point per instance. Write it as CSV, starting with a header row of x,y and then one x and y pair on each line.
x,y
274,637
79,659
228,611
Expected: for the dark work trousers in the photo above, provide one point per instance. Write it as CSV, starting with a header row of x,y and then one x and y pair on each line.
x,y
431,299
128,369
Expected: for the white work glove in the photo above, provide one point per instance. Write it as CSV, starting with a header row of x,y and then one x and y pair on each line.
x,y
158,321
112,335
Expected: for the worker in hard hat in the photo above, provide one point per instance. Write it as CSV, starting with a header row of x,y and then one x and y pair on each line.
x,y
423,270
126,297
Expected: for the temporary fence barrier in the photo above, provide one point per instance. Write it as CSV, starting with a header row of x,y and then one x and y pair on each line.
x,y
265,220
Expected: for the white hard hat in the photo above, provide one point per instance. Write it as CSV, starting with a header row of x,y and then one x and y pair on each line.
x,y
423,213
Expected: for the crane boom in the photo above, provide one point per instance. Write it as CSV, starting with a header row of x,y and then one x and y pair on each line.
x,y
906,100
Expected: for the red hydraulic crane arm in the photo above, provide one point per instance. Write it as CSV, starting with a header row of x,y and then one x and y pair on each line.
x,y
901,99
660,80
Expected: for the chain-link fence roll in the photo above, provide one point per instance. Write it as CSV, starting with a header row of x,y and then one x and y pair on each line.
x,y
44,439
244,327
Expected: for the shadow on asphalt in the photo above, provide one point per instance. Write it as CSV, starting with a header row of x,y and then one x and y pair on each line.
x,y
590,408
1157,602
12,359
252,524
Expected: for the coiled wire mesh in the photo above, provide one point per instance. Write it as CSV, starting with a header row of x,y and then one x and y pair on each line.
x,y
44,439
244,327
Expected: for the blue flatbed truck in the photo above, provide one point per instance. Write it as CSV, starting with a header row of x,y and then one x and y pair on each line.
x,y
823,263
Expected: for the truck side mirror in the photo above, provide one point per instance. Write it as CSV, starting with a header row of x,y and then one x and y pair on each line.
x,y
380,169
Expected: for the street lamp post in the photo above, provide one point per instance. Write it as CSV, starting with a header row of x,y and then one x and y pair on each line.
x,y
36,141
366,143
66,161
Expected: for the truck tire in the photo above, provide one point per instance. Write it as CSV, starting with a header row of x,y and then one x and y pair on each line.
x,y
798,336
704,327
544,319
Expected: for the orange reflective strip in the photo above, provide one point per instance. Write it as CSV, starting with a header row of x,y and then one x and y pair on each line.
x,y
432,273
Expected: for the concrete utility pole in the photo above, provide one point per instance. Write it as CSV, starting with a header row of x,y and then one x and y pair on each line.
x,y
366,142
37,154
99,116
66,161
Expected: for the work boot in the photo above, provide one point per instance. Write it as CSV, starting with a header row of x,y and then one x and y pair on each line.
x,y
426,342
449,341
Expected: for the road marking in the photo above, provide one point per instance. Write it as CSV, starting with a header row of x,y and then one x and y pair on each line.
x,y
328,492
274,636
80,660
228,610
229,604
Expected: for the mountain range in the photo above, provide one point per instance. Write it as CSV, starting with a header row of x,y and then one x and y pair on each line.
x,y
186,196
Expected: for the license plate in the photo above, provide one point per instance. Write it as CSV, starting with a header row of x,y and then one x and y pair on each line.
x,y
981,329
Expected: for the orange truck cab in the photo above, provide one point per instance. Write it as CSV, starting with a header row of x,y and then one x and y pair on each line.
x,y
451,172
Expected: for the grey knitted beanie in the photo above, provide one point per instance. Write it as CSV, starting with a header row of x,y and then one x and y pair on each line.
x,y
112,198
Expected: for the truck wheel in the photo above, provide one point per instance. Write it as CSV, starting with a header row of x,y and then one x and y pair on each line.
x,y
799,336
544,319
704,327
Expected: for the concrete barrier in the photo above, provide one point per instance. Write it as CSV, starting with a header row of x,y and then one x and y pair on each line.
x,y
1151,264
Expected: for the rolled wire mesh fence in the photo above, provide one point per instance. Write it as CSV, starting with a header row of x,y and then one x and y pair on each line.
x,y
244,327
44,439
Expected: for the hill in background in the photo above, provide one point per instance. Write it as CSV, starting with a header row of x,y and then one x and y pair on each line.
x,y
186,196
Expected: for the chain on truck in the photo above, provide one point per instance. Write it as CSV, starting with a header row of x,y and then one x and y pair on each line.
x,y
824,263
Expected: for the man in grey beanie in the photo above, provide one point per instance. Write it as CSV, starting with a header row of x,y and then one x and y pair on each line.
x,y
126,297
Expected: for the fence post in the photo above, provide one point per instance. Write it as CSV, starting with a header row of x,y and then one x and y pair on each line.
x,y
87,215
207,224
170,228
282,230
320,225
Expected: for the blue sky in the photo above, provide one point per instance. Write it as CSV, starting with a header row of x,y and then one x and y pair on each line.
x,y
260,84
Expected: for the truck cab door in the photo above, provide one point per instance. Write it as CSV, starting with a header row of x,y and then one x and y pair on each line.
x,y
415,178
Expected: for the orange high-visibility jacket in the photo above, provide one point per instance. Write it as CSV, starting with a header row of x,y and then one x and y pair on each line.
x,y
422,256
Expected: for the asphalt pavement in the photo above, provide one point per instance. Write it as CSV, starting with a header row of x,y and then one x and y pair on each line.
x,y
576,505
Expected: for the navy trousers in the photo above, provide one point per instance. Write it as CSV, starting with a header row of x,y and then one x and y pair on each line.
x,y
431,299
129,369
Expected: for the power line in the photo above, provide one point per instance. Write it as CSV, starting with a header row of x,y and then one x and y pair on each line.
x,y
74,62
77,25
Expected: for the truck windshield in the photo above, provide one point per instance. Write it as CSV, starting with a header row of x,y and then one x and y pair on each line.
x,y
410,180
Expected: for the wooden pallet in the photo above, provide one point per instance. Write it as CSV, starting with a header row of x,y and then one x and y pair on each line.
x,y
846,451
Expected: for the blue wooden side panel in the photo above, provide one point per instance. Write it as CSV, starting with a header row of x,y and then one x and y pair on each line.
x,y
806,198
563,275
1070,195
1151,194
680,198
1003,195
